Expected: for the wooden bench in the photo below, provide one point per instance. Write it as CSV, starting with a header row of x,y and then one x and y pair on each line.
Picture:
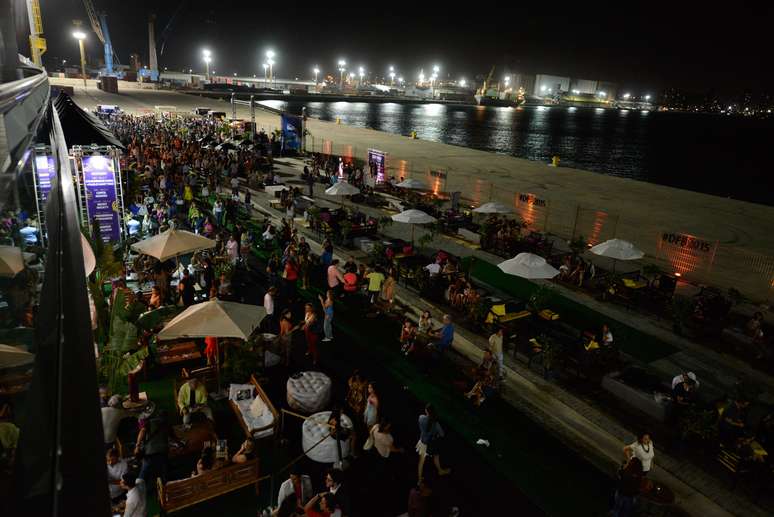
x,y
182,493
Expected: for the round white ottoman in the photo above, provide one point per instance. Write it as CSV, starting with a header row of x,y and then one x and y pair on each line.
x,y
314,429
309,392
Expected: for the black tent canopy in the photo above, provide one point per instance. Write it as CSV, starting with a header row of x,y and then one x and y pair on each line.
x,y
79,126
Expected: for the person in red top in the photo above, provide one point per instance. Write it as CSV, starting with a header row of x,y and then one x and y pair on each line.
x,y
290,275
322,505
211,349
350,283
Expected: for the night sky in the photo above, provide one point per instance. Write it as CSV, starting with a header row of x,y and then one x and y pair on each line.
x,y
651,46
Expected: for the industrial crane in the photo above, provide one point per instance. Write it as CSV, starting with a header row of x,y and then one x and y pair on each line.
x,y
37,42
487,81
99,24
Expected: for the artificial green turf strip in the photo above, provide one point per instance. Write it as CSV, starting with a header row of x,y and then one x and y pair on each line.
x,y
519,448
636,343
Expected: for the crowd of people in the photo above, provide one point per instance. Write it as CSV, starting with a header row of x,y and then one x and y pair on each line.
x,y
181,184
184,184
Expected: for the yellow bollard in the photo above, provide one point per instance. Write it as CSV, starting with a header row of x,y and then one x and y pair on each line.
x,y
555,161
338,120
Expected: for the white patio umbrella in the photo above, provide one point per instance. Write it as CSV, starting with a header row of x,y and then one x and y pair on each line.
x,y
617,249
11,357
528,265
173,243
341,189
412,184
413,217
89,260
215,318
12,260
493,208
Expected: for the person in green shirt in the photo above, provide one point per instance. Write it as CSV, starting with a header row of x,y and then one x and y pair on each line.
x,y
192,398
375,281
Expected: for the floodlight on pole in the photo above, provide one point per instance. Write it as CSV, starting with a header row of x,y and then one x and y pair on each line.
x,y
316,73
647,97
207,57
80,36
342,69
462,82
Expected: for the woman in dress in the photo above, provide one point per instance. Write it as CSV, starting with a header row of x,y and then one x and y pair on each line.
x,y
388,289
371,413
327,304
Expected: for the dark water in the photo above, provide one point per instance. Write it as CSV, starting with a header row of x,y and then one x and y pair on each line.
x,y
714,154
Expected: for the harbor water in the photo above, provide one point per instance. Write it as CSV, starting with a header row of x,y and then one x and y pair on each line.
x,y
714,154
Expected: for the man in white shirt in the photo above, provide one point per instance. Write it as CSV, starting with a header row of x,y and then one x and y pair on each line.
x,y
135,497
434,268
111,418
681,378
234,185
268,323
116,468
607,336
298,485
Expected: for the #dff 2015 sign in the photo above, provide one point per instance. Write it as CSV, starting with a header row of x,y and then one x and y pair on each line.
x,y
99,178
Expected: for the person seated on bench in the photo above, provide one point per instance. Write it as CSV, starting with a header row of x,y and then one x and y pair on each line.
x,y
245,453
486,375
116,468
206,462
297,487
322,505
135,498
192,398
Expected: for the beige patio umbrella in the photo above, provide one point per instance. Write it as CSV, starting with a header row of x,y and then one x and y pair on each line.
x,y
215,318
173,243
12,261
11,357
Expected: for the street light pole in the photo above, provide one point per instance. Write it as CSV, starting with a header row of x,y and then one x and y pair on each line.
x,y
342,69
207,56
80,36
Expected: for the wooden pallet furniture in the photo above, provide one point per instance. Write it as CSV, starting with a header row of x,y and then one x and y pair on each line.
x,y
259,392
183,493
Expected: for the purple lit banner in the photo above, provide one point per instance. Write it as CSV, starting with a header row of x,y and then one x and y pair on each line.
x,y
377,160
99,178
44,168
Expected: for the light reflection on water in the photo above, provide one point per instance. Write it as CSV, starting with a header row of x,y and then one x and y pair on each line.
x,y
700,152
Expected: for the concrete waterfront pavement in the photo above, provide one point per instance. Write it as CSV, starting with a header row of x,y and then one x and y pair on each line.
x,y
744,231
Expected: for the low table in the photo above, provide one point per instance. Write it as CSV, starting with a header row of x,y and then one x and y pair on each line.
x,y
196,438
